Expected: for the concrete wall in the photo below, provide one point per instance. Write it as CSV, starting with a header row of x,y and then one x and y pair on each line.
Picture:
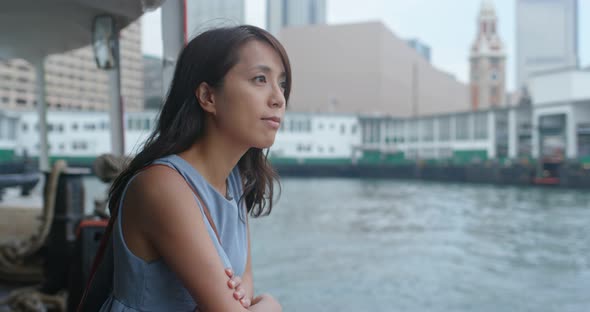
x,y
335,69
365,68
560,87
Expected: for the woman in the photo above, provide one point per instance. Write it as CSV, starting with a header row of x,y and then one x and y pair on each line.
x,y
225,105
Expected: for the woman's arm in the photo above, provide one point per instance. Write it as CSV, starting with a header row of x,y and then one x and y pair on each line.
x,y
171,221
247,279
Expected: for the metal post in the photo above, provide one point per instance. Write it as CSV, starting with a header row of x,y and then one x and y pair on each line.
x,y
116,112
42,115
173,37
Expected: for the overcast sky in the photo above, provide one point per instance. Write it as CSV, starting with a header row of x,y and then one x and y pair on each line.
x,y
447,26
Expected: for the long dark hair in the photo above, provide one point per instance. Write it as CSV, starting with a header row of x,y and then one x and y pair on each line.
x,y
206,58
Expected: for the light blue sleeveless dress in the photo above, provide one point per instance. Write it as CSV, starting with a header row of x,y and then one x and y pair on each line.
x,y
143,286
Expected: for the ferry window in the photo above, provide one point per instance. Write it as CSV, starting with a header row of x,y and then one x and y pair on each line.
x,y
25,127
320,126
375,132
320,149
21,101
342,129
365,132
60,128
331,149
74,126
353,129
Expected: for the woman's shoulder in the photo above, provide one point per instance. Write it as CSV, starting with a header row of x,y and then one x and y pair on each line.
x,y
157,181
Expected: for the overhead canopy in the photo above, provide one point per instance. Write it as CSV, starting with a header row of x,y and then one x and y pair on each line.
x,y
34,28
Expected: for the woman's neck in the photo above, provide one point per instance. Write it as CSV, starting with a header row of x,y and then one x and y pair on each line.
x,y
214,159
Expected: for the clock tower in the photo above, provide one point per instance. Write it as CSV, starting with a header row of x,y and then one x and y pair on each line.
x,y
487,62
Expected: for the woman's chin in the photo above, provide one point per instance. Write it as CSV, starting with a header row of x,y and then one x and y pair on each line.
x,y
264,144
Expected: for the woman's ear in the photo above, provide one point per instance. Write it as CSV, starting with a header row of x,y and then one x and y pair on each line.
x,y
206,97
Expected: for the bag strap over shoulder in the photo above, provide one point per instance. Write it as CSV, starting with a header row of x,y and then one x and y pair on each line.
x,y
108,232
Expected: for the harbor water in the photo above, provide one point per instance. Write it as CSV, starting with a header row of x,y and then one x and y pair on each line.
x,y
393,245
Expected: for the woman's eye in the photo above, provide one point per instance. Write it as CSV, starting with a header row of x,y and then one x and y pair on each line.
x,y
283,85
260,79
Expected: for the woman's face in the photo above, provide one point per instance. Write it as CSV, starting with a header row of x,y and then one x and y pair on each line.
x,y
250,105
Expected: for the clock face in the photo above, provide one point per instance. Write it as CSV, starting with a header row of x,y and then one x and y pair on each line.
x,y
494,76
103,35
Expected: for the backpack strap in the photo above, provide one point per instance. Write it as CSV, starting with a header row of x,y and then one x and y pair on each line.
x,y
109,230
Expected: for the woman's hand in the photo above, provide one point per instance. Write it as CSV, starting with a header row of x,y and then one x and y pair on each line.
x,y
234,283
266,300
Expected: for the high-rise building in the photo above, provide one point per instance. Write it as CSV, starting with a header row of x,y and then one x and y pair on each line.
x,y
205,14
546,37
487,62
285,13
152,82
73,82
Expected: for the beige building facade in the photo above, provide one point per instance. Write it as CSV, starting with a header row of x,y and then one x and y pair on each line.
x,y
73,82
365,68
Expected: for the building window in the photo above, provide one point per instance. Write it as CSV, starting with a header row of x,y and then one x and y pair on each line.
x,y
444,128
79,145
462,131
427,130
413,131
481,126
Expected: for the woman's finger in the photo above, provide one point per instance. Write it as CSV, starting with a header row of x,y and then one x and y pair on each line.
x,y
229,272
245,302
234,282
239,293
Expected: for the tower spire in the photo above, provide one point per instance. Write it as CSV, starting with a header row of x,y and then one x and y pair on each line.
x,y
487,61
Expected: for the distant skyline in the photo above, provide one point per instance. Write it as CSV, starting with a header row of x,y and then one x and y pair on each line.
x,y
448,27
